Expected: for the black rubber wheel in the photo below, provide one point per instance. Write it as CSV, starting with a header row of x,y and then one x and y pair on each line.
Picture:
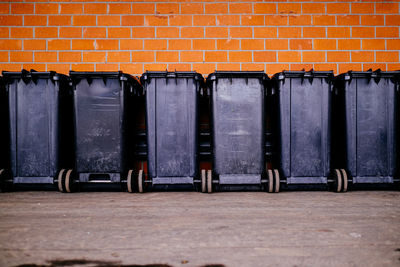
x,y
69,181
209,181
337,183
140,182
4,185
270,186
277,181
345,180
129,184
61,182
203,181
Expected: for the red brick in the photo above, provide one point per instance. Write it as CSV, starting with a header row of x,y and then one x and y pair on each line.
x,y
119,8
143,32
131,44
135,69
284,8
204,67
275,68
70,32
289,32
34,44
192,8
34,20
83,20
300,20
4,32
69,56
155,44
228,20
71,8
83,44
361,56
107,67
362,8
156,20
13,21
58,44
348,20
82,67
393,20
276,20
132,20
387,56
19,8
95,8
228,66
21,56
216,8
119,56
143,56
179,67
387,8
240,8
106,44
314,32
4,56
203,20
241,32
338,56
167,32
324,20
59,20
338,32
4,8
45,57
21,32
276,44
203,44
143,8
313,8
337,8
108,20
265,8
216,32
301,44
252,44
180,20
167,8
119,32
264,56
252,67
46,8
373,44
228,44
289,56
387,32
313,56
372,20
179,44
265,32
94,32
252,20
192,32
46,32
349,44
167,56
94,56
240,56
393,44
191,56
34,66
363,32
324,44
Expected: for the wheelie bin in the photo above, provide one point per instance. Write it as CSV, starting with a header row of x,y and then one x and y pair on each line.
x,y
367,120
302,128
238,130
104,107
172,123
39,119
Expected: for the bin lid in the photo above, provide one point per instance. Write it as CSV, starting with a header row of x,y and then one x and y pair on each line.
x,y
148,75
369,74
237,74
32,75
303,74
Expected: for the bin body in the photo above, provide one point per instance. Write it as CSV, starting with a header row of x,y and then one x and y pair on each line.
x,y
40,125
172,126
102,124
238,126
303,121
369,125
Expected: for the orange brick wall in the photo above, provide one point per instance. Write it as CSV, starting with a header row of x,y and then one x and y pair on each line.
x,y
201,36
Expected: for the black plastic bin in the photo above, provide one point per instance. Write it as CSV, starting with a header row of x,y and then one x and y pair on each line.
x,y
104,106
367,118
238,129
172,127
39,119
302,105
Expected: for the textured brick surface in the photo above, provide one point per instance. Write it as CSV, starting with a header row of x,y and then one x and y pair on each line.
x,y
199,35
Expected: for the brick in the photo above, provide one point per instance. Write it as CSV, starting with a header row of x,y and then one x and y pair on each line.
x,y
155,67
265,32
252,20
143,8
338,56
180,20
179,44
387,32
131,44
69,56
34,66
192,8
348,20
372,20
203,44
301,67
4,32
387,56
314,32
324,44
156,20
83,20
228,67
252,44
94,32
45,56
119,56
300,44
119,8
275,68
191,56
387,8
300,20
107,67
58,44
289,56
393,20
362,56
107,44
339,32
21,32
70,32
216,32
284,8
4,8
393,44
135,69
83,44
216,8
264,56
374,66
241,32
192,32
313,8
276,44
108,20
349,44
143,32
325,67
59,20
313,56
275,20
252,67
363,32
20,8
344,67
289,32
13,21
265,8
167,32
46,8
46,32
362,8
337,8
324,20
94,56
228,20
34,44
21,56
167,8
4,56
373,44
204,20
204,67
393,67
240,8
10,67
155,44
95,8
167,56
179,67
119,32
59,68
240,56
71,8
132,20
143,56
228,44
82,67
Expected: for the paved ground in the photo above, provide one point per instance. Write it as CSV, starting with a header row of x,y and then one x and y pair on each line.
x,y
191,229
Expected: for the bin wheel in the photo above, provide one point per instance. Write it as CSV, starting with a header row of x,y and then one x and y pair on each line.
x,y
209,181
140,181
345,183
277,181
270,187
337,184
69,181
203,181
60,181
4,186
129,181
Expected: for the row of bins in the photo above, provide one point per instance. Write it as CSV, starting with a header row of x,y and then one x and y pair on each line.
x,y
236,130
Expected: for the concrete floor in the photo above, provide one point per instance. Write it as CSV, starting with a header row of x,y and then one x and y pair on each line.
x,y
359,228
